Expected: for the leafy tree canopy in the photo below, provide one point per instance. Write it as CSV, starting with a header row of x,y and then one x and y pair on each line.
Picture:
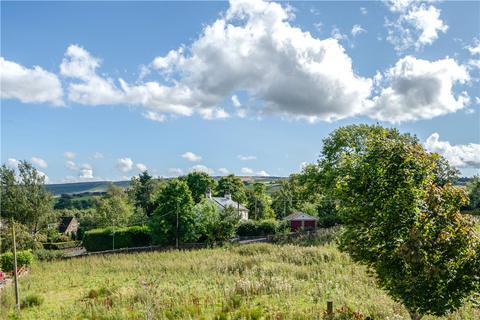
x,y
199,184
233,185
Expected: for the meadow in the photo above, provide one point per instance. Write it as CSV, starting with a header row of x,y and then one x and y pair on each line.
x,y
258,281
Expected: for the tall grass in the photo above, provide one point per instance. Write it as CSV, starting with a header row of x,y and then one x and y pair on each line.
x,y
261,281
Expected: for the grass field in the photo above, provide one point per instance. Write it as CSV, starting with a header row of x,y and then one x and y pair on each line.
x,y
261,281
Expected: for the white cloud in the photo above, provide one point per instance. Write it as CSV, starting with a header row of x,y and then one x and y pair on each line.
x,y
474,63
97,155
263,173
462,156
29,85
418,25
202,168
71,165
357,29
474,49
12,163
69,154
235,101
154,116
175,172
244,158
363,10
141,167
125,164
419,89
246,170
86,172
223,171
190,156
338,35
39,162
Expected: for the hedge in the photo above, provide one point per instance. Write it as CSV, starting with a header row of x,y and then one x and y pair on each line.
x,y
251,228
60,245
24,258
102,239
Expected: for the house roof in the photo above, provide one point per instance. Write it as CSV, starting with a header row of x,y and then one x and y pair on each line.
x,y
64,223
300,216
224,202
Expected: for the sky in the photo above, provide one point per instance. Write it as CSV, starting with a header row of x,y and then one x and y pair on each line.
x,y
104,90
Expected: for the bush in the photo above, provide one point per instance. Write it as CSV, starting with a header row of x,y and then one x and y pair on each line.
x,y
60,245
32,300
24,258
102,239
48,255
260,228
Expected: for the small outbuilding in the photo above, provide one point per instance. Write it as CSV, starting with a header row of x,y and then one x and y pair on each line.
x,y
300,220
68,226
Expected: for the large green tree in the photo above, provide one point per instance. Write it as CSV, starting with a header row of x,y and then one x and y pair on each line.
x,y
399,221
142,190
199,184
259,202
215,225
23,196
233,185
473,190
114,208
174,201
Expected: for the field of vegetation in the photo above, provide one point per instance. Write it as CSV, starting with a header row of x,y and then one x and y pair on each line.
x,y
260,281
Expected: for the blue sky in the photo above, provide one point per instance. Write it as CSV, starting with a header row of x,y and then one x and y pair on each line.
x,y
99,91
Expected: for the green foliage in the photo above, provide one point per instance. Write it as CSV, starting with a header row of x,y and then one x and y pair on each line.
x,y
142,190
199,184
68,201
24,197
116,238
32,300
233,185
114,208
175,200
398,221
251,228
259,202
48,255
60,245
24,239
473,190
24,258
214,225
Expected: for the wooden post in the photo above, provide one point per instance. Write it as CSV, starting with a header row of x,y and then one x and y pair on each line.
x,y
15,274
329,307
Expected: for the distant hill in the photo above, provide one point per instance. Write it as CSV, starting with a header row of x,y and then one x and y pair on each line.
x,y
101,186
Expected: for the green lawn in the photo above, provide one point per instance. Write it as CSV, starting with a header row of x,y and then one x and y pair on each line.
x,y
260,281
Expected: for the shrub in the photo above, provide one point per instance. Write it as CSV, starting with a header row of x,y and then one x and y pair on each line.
x,y
260,228
24,258
48,255
32,300
60,245
63,238
102,239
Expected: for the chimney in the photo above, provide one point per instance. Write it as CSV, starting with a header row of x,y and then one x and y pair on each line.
x,y
228,195
209,194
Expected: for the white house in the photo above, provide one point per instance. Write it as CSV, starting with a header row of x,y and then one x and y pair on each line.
x,y
226,201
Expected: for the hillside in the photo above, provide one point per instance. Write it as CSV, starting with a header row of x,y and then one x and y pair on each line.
x,y
101,186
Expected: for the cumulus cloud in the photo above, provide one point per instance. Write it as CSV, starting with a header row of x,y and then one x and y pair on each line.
x,y
462,156
357,29
175,172
244,158
86,172
417,25
202,168
363,10
474,49
190,156
419,89
125,164
39,162
69,154
154,116
251,172
224,171
29,85
141,167
71,165
236,103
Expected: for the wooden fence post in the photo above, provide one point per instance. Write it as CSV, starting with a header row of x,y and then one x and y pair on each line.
x,y
329,307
